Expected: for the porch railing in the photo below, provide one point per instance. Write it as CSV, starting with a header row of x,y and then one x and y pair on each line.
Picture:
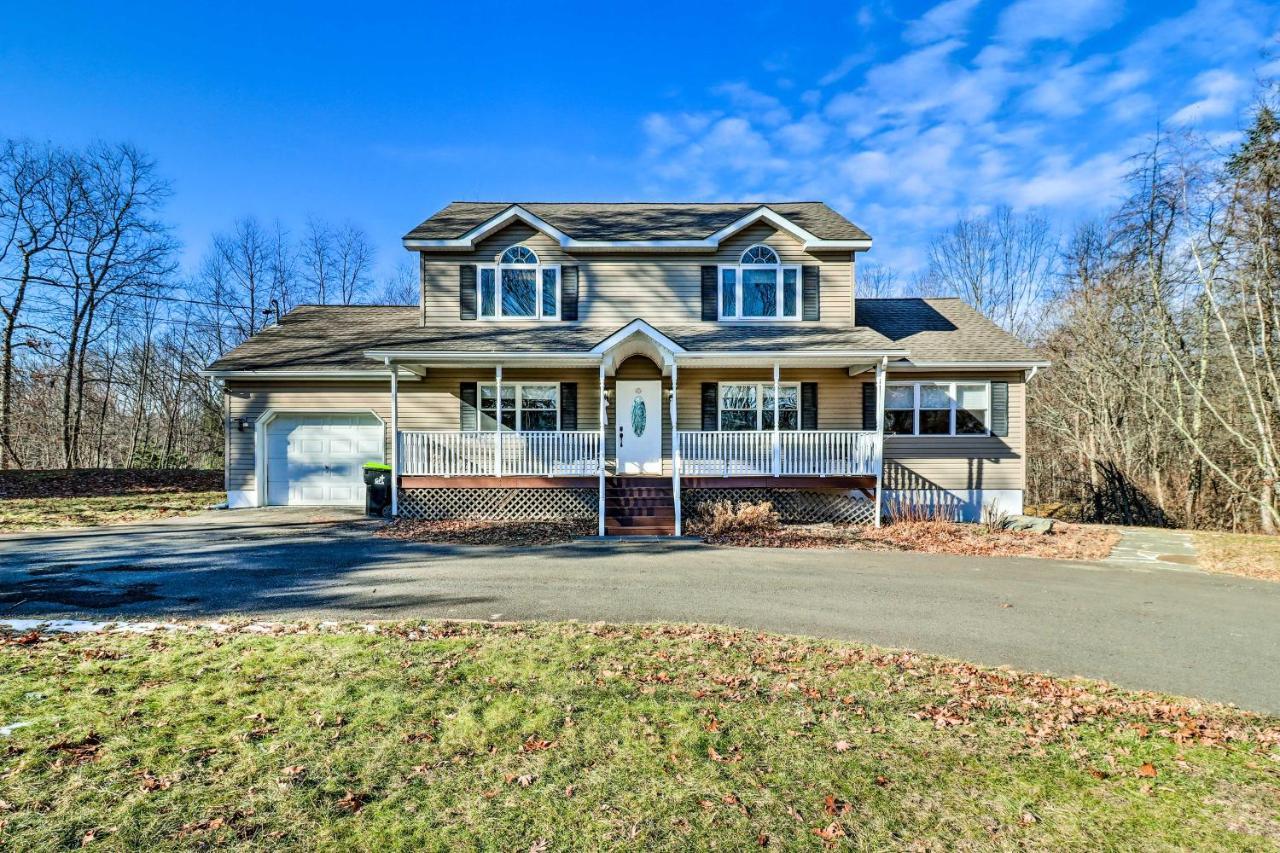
x,y
809,453
443,453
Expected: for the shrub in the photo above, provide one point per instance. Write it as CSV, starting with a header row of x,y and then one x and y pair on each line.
x,y
725,518
903,511
995,519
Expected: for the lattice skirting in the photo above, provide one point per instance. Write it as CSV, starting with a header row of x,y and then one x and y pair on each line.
x,y
793,505
505,504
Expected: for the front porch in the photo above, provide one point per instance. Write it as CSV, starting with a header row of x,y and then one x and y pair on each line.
x,y
671,429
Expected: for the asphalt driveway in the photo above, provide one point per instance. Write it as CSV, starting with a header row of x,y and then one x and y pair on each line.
x,y
1185,632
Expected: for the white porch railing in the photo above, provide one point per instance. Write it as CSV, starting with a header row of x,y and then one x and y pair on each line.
x,y
807,453
475,454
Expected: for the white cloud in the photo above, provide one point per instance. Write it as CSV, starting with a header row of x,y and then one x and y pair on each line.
x,y
1029,21
1220,92
946,20
1028,113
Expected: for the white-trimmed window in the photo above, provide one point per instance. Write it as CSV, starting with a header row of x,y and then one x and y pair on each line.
x,y
518,287
937,408
760,287
526,407
749,406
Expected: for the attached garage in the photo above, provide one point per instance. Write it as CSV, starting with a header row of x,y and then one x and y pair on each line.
x,y
315,459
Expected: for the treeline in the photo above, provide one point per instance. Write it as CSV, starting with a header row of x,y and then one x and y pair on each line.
x,y
103,338
1162,321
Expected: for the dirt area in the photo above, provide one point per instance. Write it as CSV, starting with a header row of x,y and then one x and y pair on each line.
x,y
481,532
105,482
1066,542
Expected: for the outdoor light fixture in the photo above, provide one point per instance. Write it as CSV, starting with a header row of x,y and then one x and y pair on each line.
x,y
241,423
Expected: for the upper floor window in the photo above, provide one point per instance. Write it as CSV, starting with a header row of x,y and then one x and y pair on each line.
x,y
759,287
937,408
518,286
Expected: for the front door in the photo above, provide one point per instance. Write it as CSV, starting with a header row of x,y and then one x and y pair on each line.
x,y
639,417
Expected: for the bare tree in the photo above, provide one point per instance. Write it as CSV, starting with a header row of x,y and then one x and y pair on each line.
x,y
876,281
113,247
402,287
1001,264
36,200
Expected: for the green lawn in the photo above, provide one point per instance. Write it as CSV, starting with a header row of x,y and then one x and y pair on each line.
x,y
572,736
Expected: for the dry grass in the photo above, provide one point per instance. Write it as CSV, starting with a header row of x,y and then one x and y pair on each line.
x,y
1066,542
485,532
1248,554
90,497
725,518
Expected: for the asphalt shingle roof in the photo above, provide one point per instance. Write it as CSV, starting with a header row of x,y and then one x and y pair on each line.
x,y
940,329
333,337
637,220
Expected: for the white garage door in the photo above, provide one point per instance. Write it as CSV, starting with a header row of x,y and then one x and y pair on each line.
x,y
315,460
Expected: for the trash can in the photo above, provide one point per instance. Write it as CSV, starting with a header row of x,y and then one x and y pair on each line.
x,y
377,488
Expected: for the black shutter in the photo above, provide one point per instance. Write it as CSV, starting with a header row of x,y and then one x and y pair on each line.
x,y
710,310
467,419
869,405
710,406
467,292
1000,408
568,405
808,405
811,291
568,293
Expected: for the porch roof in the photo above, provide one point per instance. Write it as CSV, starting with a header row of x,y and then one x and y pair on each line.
x,y
313,339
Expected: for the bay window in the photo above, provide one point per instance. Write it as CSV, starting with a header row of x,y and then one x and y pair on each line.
x,y
759,287
937,408
519,287
525,407
749,406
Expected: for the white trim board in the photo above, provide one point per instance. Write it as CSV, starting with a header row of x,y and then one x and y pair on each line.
x,y
515,211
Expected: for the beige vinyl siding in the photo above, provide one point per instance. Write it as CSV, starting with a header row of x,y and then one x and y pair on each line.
x,y
961,462
431,403
618,288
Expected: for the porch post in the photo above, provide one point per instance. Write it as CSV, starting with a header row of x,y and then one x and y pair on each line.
x,y
881,368
604,427
497,432
777,440
675,446
395,442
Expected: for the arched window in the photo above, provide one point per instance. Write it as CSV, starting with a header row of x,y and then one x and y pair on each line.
x,y
759,287
521,255
518,286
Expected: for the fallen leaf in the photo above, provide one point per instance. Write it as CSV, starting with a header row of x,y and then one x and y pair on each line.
x,y
843,746
1147,770
568,790
830,833
351,801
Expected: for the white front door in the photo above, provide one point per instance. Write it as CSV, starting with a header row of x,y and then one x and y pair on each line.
x,y
639,416
316,460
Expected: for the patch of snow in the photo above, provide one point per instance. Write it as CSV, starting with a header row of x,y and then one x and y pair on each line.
x,y
5,731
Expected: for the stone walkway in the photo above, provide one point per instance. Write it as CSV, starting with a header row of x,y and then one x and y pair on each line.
x,y
1150,547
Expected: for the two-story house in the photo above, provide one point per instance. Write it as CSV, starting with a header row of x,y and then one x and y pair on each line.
x,y
625,362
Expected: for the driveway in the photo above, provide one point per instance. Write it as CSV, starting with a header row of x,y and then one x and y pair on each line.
x,y
1141,626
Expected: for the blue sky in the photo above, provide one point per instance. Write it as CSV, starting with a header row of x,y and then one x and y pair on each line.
x,y
903,116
